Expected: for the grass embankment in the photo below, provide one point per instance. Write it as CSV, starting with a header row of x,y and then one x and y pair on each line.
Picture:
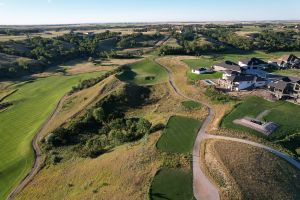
x,y
172,184
178,137
32,103
208,61
283,113
247,172
145,72
288,72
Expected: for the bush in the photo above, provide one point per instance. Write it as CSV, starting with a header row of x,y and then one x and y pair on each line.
x,y
217,96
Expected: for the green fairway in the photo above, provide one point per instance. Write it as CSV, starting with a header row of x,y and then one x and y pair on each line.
x,y
191,105
173,184
145,72
285,114
32,103
179,135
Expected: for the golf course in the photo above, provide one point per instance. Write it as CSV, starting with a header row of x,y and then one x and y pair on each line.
x,y
32,103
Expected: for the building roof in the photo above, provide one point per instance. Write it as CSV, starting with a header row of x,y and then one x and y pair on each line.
x,y
229,66
281,85
241,78
288,58
252,61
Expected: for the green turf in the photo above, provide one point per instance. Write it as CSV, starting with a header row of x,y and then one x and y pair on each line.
x,y
173,184
191,105
288,72
179,135
32,103
283,113
145,72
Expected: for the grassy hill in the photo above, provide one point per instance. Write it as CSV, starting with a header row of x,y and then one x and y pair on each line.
x,y
32,103
145,72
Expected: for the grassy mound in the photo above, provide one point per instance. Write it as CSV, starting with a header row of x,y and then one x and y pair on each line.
x,y
172,184
32,103
179,135
191,105
145,72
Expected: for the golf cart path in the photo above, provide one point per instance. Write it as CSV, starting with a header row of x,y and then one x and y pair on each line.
x,y
203,188
37,155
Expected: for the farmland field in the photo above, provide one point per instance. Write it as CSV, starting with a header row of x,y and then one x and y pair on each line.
x,y
179,135
172,184
32,103
145,72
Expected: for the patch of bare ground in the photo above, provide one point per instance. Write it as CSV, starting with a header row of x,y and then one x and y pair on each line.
x,y
77,67
246,172
179,69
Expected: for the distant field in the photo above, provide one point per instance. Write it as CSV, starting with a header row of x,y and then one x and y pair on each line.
x,y
173,184
257,174
179,135
285,114
172,42
145,72
32,103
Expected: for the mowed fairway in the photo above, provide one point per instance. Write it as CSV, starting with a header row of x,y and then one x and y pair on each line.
x,y
32,104
173,184
179,135
145,72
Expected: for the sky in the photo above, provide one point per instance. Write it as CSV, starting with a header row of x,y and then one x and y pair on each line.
x,y
104,11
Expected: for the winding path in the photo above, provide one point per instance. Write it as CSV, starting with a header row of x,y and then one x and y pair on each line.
x,y
37,155
202,186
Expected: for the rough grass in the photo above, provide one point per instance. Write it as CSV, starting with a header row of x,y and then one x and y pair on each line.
x,y
172,184
145,72
288,72
179,135
191,105
255,173
285,114
32,103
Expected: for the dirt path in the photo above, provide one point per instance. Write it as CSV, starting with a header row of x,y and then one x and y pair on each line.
x,y
202,186
37,155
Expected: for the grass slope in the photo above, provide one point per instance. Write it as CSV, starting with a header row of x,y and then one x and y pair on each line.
x,y
179,135
32,104
191,105
283,113
258,174
172,184
145,72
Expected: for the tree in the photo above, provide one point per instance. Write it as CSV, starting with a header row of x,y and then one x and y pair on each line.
x,y
98,114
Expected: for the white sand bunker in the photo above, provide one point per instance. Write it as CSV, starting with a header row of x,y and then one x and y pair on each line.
x,y
263,127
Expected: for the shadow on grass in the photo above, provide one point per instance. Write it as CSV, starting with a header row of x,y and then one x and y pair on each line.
x,y
127,74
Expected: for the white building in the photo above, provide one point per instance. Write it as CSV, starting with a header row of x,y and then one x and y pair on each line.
x,y
200,71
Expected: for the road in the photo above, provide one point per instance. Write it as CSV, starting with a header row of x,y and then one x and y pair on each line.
x,y
37,155
202,187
